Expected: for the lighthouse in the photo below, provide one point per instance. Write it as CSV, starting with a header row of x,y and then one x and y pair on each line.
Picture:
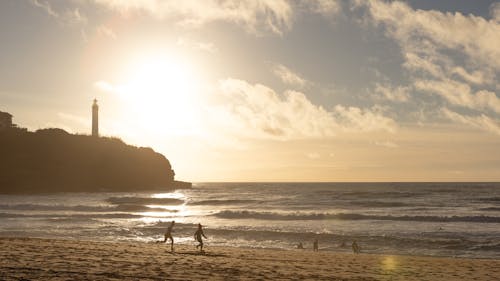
x,y
95,119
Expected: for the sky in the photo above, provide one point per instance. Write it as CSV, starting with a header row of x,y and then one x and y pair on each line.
x,y
267,90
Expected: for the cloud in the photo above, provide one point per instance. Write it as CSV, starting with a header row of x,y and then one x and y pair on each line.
x,y
495,11
363,120
395,94
324,7
481,121
105,31
313,155
458,93
272,15
474,36
260,111
195,45
388,144
46,6
287,76
257,111
66,17
450,55
105,86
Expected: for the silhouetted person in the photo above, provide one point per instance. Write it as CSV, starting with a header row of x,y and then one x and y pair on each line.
x,y
315,245
197,236
343,244
168,235
355,247
300,246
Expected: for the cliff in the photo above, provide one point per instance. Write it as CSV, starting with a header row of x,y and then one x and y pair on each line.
x,y
52,160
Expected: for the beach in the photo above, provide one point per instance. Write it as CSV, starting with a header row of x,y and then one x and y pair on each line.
x,y
57,259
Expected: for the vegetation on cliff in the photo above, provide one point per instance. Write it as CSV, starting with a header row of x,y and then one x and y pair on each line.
x,y
52,160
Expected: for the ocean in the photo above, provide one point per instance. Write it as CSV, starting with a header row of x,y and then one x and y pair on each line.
x,y
432,219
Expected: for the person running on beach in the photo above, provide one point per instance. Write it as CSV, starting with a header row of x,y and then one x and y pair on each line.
x,y
168,235
197,236
315,245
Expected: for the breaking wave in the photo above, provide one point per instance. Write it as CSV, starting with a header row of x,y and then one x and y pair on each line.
x,y
222,202
144,201
350,216
82,208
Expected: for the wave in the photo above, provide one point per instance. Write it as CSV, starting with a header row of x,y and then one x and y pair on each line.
x,y
490,209
71,216
222,202
37,207
490,199
350,216
82,208
378,204
379,194
144,201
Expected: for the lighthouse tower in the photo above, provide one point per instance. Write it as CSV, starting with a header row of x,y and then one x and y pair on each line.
x,y
95,119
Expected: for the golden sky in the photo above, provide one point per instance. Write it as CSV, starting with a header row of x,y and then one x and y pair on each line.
x,y
267,90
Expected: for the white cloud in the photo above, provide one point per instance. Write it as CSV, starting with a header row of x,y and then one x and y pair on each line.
x,y
451,55
273,15
460,94
480,121
364,120
256,111
313,155
474,36
495,11
423,65
388,144
260,111
395,94
105,86
324,7
66,17
106,31
475,77
195,45
288,76
46,6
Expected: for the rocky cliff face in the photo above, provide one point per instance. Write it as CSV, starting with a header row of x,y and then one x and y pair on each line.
x,y
52,160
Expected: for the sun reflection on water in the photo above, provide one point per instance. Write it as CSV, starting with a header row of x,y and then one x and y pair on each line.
x,y
176,212
173,195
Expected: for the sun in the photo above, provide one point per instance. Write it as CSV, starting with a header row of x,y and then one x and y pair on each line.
x,y
161,91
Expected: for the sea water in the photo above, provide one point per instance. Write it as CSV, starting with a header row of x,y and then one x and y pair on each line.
x,y
438,219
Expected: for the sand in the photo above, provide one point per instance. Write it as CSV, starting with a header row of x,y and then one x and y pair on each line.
x,y
43,259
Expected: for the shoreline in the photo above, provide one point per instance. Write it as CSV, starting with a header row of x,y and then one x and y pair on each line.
x,y
37,258
338,250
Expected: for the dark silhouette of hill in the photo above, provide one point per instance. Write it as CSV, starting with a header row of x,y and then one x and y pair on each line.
x,y
52,160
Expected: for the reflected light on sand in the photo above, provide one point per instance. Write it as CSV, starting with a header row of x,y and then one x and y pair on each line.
x,y
389,263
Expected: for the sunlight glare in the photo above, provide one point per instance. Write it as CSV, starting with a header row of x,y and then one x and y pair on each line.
x,y
162,91
173,195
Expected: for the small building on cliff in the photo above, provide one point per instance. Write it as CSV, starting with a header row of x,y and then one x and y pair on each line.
x,y
5,120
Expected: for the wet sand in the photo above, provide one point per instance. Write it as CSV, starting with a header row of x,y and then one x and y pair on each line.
x,y
43,259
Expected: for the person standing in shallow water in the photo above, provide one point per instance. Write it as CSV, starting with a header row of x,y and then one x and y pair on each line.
x,y
315,245
197,236
168,235
355,247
